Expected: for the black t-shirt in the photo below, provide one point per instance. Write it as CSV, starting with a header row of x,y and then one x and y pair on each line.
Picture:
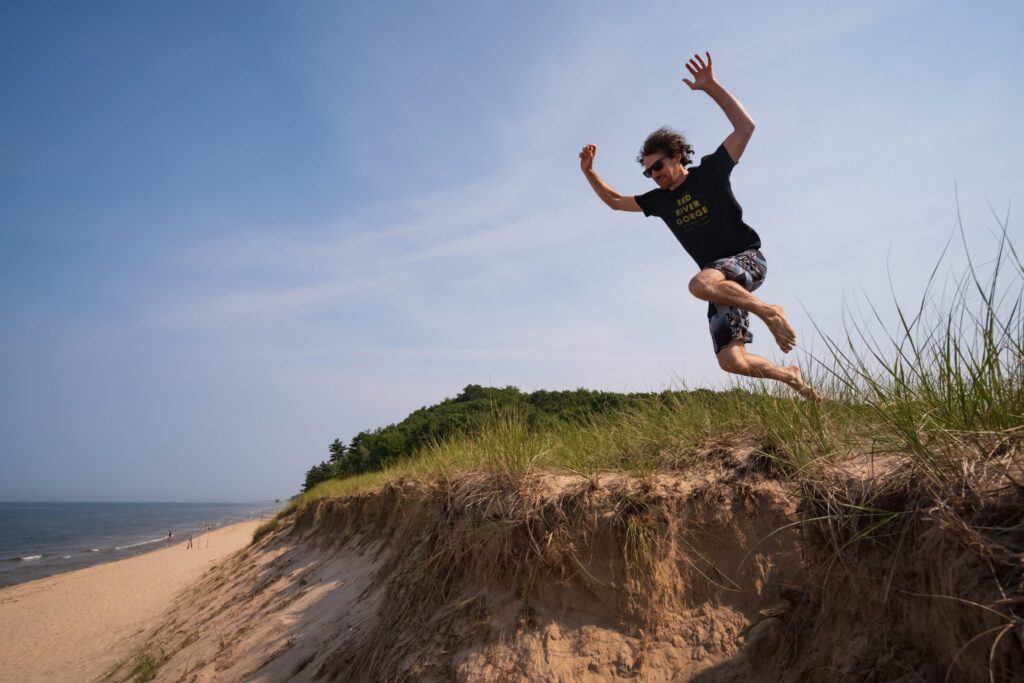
x,y
702,212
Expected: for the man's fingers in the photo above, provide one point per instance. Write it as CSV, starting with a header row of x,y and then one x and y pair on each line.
x,y
693,71
688,82
698,63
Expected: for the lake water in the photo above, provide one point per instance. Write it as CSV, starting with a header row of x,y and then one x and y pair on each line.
x,y
42,539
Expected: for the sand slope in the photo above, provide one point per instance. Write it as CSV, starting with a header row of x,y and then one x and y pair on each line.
x,y
75,626
727,572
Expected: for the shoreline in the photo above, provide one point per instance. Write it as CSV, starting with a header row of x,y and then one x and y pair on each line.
x,y
46,539
75,625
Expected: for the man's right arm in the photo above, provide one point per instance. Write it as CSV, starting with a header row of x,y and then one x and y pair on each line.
x,y
606,193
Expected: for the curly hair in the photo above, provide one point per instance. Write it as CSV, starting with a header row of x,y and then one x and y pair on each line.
x,y
667,141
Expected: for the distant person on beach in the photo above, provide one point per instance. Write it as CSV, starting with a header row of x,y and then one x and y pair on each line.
x,y
698,206
169,535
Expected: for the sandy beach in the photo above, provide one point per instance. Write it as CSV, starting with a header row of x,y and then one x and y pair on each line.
x,y
75,626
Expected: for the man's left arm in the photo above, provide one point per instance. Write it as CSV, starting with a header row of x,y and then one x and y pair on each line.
x,y
742,122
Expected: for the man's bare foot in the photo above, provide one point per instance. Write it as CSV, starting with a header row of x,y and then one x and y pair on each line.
x,y
796,381
780,328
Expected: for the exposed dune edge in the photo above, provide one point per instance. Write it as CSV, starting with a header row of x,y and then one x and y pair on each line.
x,y
722,573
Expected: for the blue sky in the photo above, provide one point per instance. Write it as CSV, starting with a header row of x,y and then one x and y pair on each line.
x,y
230,233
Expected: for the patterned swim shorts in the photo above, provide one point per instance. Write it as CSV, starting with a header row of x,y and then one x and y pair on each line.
x,y
728,323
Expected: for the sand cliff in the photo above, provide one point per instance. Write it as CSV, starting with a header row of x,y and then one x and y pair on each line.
x,y
729,571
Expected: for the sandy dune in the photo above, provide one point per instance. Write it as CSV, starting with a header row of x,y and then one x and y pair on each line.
x,y
723,573
75,626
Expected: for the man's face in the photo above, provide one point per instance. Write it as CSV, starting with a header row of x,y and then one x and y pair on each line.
x,y
663,169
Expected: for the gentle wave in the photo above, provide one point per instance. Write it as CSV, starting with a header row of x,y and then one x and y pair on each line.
x,y
32,557
136,545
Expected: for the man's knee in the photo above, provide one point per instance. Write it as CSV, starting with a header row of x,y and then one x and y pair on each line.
x,y
701,284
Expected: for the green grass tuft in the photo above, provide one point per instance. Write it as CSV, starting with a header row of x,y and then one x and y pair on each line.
x,y
145,669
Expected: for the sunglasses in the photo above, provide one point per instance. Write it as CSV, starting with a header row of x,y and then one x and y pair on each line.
x,y
656,166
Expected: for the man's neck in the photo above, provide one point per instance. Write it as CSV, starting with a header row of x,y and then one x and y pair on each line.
x,y
682,179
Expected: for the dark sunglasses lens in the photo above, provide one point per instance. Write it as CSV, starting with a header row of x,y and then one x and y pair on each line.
x,y
656,166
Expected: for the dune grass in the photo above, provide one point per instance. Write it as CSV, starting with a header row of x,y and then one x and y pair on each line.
x,y
660,436
942,385
266,528
145,668
948,382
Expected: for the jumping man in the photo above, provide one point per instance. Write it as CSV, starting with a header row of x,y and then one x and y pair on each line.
x,y
698,206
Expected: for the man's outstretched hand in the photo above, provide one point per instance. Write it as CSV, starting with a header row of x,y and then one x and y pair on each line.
x,y
702,73
587,157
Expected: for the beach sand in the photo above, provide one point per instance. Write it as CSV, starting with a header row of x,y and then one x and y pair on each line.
x,y
75,626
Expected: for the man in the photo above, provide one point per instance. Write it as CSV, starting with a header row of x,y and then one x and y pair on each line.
x,y
698,206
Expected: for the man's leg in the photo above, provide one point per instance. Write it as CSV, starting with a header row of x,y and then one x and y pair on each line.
x,y
735,359
711,285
